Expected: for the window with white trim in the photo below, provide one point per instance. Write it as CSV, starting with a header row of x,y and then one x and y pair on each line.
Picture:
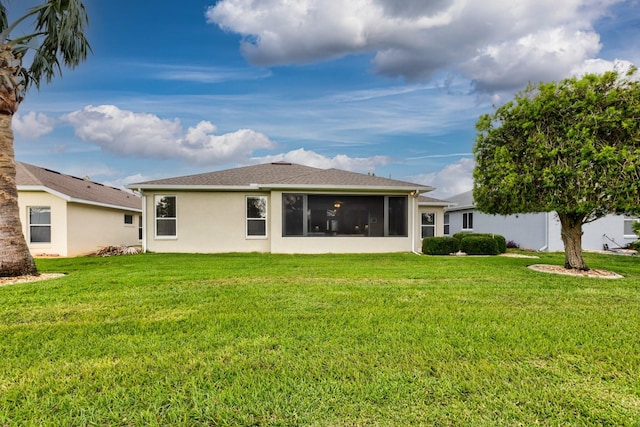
x,y
628,225
256,216
428,224
39,224
446,224
166,216
128,219
467,221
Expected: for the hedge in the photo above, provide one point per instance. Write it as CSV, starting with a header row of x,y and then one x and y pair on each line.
x,y
479,245
439,245
502,242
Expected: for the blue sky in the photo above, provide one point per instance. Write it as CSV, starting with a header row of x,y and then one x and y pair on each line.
x,y
392,87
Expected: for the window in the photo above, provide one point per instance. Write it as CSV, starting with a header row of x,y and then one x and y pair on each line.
x,y
256,216
446,224
140,227
128,219
467,221
344,215
428,224
628,225
166,218
40,224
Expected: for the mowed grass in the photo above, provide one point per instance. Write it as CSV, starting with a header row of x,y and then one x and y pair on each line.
x,y
331,340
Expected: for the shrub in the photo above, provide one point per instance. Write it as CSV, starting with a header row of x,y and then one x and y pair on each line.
x,y
512,245
636,227
502,242
480,245
439,245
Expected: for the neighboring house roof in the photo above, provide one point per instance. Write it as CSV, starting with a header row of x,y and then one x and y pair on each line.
x,y
430,201
74,189
281,175
462,201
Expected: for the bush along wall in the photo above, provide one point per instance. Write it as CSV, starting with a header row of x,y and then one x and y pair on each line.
x,y
479,245
501,241
439,245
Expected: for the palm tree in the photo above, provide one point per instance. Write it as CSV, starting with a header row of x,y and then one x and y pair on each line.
x,y
58,39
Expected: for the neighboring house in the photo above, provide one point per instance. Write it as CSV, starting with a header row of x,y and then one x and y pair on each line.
x,y
281,208
63,215
537,231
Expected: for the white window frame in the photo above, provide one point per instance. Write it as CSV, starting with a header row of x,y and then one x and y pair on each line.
x,y
445,224
467,221
39,225
155,217
250,219
629,220
127,216
423,226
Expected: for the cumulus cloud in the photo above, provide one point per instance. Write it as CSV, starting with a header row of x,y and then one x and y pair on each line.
x,y
132,134
599,66
32,125
340,161
497,44
454,178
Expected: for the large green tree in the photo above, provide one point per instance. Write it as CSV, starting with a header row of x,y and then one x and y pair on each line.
x,y
572,147
57,39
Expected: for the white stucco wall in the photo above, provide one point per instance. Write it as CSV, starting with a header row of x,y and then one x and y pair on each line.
x,y
58,245
93,227
541,231
207,223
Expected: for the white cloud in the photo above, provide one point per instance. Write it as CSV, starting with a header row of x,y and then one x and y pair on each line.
x,y
599,66
340,161
127,133
32,125
455,178
497,44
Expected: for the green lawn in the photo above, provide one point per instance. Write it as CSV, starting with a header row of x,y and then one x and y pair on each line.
x,y
331,340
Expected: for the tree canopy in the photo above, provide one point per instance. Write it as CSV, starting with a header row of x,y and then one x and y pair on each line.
x,y
572,147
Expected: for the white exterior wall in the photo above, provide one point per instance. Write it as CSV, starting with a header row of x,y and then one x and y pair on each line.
x,y
93,227
541,231
207,223
58,245
608,230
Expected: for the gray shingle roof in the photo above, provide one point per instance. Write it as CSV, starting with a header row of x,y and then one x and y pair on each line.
x,y
281,174
433,201
78,189
462,201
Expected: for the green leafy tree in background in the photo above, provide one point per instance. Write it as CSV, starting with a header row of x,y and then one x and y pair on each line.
x,y
57,39
572,147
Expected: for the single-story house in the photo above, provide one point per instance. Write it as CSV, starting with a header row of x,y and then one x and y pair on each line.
x,y
536,231
63,215
282,208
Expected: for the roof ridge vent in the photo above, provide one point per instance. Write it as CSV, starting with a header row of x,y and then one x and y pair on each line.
x,y
281,163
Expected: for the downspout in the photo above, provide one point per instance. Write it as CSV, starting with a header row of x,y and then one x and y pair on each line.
x,y
546,233
144,221
416,208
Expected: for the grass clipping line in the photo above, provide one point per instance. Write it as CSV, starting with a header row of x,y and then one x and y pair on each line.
x,y
25,279
558,269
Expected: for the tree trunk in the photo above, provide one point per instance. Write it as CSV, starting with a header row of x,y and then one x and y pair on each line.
x,y
572,238
15,258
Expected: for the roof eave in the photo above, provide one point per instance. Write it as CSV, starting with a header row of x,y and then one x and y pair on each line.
x,y
254,187
70,199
